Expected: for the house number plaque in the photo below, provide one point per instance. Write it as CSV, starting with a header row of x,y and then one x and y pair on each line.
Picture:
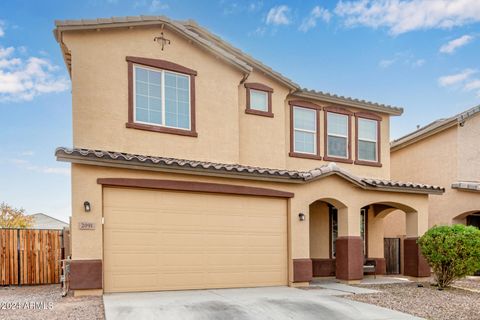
x,y
86,226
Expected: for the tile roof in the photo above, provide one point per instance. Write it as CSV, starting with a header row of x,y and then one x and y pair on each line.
x,y
202,167
218,46
466,185
434,127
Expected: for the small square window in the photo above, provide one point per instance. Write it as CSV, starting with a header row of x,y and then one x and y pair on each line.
x,y
258,100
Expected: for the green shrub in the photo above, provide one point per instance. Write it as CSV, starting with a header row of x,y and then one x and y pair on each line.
x,y
453,252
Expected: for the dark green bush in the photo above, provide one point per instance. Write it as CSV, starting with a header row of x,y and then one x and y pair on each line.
x,y
453,252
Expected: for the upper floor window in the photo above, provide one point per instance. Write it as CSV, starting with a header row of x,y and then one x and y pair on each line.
x,y
368,139
259,99
337,134
161,96
304,130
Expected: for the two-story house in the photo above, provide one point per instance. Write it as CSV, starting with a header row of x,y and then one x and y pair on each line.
x,y
445,152
196,166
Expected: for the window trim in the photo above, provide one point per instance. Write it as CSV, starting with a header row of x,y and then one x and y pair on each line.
x,y
307,105
259,87
168,66
368,116
349,114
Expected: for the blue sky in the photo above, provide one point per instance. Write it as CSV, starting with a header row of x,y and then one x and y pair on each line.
x,y
419,54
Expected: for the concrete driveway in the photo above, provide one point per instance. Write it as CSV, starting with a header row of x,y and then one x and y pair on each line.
x,y
276,303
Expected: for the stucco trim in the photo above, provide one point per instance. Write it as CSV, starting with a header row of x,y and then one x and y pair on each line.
x,y
259,87
163,65
193,186
466,186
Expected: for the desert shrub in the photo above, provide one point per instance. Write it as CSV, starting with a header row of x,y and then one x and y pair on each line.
x,y
453,252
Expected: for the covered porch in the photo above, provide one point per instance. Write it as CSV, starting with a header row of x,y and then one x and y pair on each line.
x,y
341,248
345,224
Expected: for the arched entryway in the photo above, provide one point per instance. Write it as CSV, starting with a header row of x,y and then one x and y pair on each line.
x,y
343,238
470,218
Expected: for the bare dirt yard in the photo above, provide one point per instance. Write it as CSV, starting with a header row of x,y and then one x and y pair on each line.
x,y
46,302
427,301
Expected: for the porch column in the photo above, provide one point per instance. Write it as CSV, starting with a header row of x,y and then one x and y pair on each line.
x,y
414,263
349,258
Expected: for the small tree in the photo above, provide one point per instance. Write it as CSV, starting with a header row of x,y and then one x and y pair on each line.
x,y
452,251
13,217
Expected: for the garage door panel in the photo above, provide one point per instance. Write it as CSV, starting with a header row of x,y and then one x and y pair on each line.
x,y
161,240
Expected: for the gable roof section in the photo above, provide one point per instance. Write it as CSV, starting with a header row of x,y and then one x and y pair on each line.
x,y
434,128
216,46
44,221
132,161
138,21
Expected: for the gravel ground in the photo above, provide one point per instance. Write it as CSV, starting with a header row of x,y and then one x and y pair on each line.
x,y
472,283
50,304
426,302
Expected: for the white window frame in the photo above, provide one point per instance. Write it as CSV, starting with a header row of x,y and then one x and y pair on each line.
x,y
339,135
162,89
265,93
307,131
368,140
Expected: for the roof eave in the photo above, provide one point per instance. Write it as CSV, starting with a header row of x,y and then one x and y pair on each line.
x,y
348,102
162,168
218,52
405,190
420,135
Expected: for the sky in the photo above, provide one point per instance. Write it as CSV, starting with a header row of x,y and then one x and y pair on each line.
x,y
422,55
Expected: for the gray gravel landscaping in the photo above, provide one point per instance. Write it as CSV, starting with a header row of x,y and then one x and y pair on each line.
x,y
427,301
46,302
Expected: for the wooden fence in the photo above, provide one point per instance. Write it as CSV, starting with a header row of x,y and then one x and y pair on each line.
x,y
30,256
392,255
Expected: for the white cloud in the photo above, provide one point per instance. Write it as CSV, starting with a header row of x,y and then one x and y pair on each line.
x,y
27,153
472,85
311,21
279,15
453,45
157,5
401,16
455,79
255,6
418,63
23,79
406,58
25,164
385,63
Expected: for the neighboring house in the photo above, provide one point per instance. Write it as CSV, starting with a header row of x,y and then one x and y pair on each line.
x,y
445,152
208,169
43,221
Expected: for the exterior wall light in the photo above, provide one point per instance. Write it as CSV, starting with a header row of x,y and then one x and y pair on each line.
x,y
301,216
86,206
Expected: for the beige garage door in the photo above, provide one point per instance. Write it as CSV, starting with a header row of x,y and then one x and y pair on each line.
x,y
169,240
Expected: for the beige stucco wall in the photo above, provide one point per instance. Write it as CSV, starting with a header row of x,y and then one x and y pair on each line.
x,y
468,150
319,230
87,244
442,159
225,133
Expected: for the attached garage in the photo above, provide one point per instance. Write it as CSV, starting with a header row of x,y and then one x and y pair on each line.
x,y
174,240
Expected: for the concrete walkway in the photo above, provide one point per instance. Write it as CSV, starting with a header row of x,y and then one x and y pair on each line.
x,y
276,303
